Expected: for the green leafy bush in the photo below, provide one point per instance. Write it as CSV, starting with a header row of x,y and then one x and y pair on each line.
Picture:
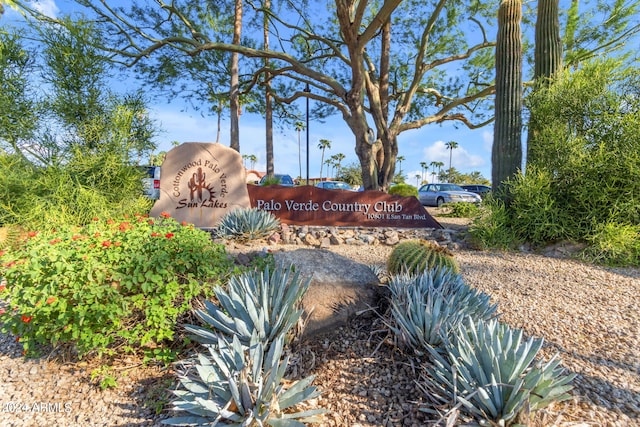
x,y
110,282
247,224
88,185
461,210
405,190
492,228
491,373
583,167
427,307
615,244
415,256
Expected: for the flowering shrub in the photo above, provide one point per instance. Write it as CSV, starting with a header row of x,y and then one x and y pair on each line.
x,y
115,282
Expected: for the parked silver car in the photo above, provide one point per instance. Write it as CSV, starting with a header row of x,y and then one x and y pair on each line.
x,y
439,194
334,185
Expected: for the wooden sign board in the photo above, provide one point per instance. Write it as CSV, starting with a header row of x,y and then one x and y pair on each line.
x,y
308,205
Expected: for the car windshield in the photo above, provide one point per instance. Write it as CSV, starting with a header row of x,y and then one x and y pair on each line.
x,y
450,187
337,185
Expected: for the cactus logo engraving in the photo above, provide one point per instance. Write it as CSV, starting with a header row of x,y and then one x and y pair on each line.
x,y
202,190
197,184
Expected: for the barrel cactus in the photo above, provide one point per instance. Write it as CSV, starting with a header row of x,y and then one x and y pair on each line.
x,y
415,256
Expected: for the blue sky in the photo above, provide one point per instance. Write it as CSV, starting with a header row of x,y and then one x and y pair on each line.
x,y
416,146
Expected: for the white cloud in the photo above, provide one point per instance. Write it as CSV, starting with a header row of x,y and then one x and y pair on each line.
x,y
461,159
47,7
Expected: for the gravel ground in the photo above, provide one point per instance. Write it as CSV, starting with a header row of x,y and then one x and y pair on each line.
x,y
590,315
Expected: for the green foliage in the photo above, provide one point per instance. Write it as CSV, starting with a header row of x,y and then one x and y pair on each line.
x,y
254,303
614,244
539,214
18,112
584,169
247,224
405,190
351,174
241,385
415,256
461,210
105,376
270,180
426,308
493,227
491,373
88,185
116,282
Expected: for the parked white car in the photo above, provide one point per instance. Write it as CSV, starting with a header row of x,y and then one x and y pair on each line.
x,y
151,181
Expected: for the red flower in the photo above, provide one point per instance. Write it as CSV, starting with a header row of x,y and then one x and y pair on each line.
x,y
51,300
165,215
110,221
17,339
76,237
106,243
183,223
124,226
2,253
32,234
3,287
54,241
26,319
2,311
154,234
169,235
96,234
95,218
117,243
150,222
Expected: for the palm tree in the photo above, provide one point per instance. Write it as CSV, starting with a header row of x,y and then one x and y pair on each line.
x,y
424,167
323,144
330,163
299,128
252,159
338,158
435,165
400,159
418,176
451,145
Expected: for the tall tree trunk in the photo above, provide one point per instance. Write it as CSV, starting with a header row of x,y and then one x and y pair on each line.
x,y
547,57
234,95
267,96
506,155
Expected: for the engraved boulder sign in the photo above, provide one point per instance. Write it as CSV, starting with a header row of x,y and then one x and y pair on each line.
x,y
200,182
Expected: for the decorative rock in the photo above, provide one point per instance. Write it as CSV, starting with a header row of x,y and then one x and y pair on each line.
x,y
339,287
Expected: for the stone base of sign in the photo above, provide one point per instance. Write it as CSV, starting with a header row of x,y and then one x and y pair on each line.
x,y
200,183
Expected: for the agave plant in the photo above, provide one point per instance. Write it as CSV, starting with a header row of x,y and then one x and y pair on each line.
x,y
247,224
491,374
426,308
255,302
241,386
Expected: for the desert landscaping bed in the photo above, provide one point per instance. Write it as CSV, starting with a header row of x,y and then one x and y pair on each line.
x,y
589,314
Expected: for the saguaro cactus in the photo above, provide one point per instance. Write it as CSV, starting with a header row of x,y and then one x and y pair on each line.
x,y
506,156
